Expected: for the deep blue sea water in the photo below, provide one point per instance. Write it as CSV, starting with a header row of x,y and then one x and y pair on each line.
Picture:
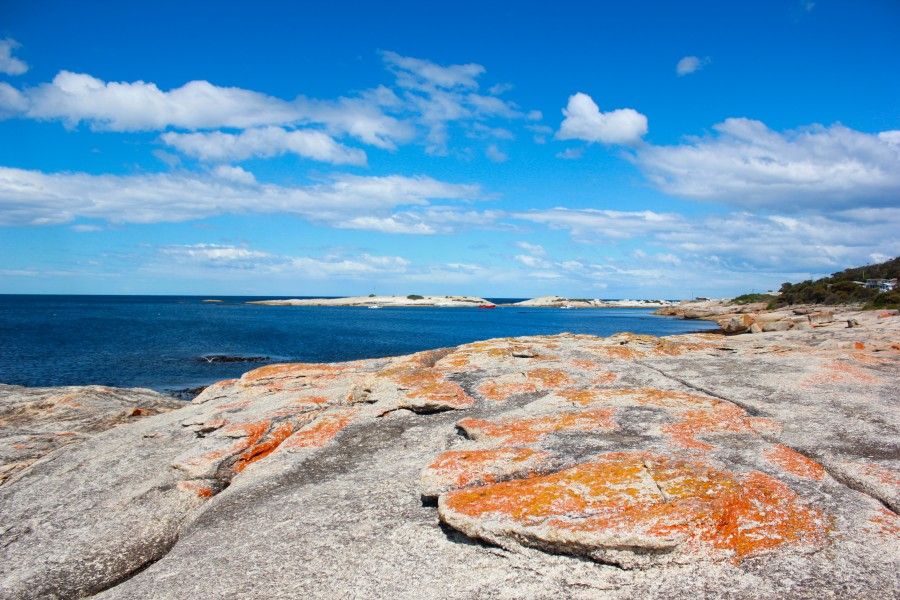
x,y
157,341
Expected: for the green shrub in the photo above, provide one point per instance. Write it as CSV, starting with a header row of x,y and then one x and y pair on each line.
x,y
750,298
415,297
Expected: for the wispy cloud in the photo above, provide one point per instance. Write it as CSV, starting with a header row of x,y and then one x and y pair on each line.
x,y
744,163
38,198
690,64
264,142
9,64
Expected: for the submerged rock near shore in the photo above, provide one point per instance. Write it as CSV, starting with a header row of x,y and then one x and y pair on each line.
x,y
764,466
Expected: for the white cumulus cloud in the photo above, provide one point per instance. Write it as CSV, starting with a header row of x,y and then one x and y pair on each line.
x,y
584,121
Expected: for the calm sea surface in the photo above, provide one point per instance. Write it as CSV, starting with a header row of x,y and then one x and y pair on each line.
x,y
159,341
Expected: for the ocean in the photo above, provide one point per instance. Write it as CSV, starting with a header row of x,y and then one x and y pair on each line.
x,y
171,343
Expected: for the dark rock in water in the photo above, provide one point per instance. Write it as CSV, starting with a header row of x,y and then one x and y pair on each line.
x,y
232,358
186,394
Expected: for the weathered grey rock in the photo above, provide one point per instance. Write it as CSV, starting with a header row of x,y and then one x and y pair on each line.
x,y
738,324
36,421
821,316
782,325
758,466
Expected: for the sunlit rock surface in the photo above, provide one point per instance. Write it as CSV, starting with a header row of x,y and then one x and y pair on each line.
x,y
36,421
754,466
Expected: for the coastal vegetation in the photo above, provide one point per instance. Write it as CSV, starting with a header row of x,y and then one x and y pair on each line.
x,y
751,298
844,287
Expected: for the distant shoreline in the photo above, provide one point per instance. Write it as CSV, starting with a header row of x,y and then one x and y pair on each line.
x,y
414,300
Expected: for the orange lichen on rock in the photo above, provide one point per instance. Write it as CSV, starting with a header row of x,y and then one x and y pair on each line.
x,y
886,523
622,352
878,473
791,461
634,501
321,431
859,345
261,448
456,469
549,378
840,372
276,378
500,392
721,417
670,399
430,385
533,429
585,364
604,378
198,489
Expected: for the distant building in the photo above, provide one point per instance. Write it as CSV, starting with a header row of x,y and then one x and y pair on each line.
x,y
882,285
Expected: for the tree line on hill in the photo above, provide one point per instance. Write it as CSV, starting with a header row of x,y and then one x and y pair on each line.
x,y
843,287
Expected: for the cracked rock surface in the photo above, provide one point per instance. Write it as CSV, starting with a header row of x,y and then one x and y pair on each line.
x,y
755,466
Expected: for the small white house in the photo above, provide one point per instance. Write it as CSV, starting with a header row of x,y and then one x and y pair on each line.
x,y
882,285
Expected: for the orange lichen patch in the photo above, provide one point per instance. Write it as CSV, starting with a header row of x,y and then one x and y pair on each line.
x,y
67,400
840,372
293,370
430,385
583,396
456,361
533,429
663,398
235,405
198,489
500,392
262,448
549,378
634,500
321,431
721,417
886,523
604,378
277,378
793,462
878,473
585,364
629,346
622,352
463,468
859,345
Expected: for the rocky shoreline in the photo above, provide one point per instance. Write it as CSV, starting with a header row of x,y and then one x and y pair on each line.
x,y
757,318
745,466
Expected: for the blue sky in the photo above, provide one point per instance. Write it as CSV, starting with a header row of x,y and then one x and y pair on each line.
x,y
641,149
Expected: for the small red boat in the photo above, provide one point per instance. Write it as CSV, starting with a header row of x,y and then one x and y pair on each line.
x,y
487,306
